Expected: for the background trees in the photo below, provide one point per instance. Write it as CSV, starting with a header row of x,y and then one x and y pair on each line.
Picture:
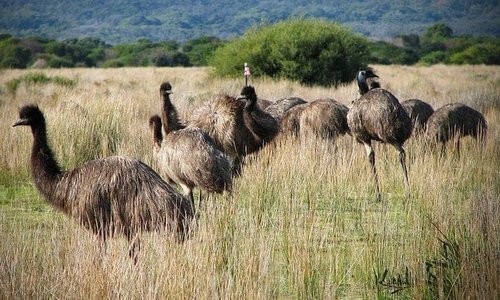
x,y
306,50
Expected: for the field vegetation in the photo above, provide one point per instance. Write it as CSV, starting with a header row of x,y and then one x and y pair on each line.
x,y
302,221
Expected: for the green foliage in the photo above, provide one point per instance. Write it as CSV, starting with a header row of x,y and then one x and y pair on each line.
x,y
486,53
199,50
386,53
434,57
146,53
443,271
308,51
38,78
438,31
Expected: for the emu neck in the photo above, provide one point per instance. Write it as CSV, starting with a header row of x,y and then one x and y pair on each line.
x,y
362,85
169,117
157,137
250,104
45,170
258,131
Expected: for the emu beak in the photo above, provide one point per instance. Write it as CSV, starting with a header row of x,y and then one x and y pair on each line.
x,y
20,122
241,97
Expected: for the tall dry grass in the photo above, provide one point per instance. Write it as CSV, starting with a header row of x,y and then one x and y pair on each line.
x,y
302,221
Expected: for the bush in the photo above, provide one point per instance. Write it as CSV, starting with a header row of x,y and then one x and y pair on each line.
x,y
308,51
386,53
434,57
486,53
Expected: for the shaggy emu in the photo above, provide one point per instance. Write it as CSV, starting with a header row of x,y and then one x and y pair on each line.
x,y
236,130
419,112
378,116
168,111
324,118
290,122
281,106
111,196
262,125
189,158
453,121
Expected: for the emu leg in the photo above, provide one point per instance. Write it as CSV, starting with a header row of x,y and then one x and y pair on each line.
x,y
200,201
134,248
188,192
191,198
371,158
402,161
457,146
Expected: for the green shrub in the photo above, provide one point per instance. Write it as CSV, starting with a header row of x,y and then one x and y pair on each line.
x,y
307,51
386,54
434,57
486,53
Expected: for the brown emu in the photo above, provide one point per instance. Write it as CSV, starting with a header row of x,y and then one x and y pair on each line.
x,y
112,196
169,112
324,118
237,127
262,125
290,122
453,121
281,106
419,112
189,158
378,116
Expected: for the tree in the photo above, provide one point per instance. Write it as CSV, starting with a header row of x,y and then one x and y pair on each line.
x,y
308,51
438,31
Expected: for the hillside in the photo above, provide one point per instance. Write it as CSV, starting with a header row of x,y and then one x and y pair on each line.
x,y
127,21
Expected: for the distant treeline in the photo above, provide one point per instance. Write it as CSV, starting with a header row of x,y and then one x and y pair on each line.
x,y
436,45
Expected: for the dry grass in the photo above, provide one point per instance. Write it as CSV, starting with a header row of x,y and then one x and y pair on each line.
x,y
302,221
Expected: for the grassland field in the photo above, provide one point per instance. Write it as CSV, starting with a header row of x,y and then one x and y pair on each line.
x,y
302,221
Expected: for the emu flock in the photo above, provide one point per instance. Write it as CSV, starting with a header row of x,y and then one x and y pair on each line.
x,y
120,195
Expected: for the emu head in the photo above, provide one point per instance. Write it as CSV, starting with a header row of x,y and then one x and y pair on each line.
x,y
165,88
248,94
155,127
30,115
362,77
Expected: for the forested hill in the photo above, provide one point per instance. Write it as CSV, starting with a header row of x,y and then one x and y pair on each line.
x,y
125,21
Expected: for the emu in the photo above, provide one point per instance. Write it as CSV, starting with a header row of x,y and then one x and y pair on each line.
x,y
454,121
112,196
378,116
189,158
419,112
235,126
324,118
262,125
281,106
169,112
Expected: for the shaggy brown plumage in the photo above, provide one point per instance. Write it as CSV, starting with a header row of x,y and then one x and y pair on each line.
x,y
378,116
262,125
419,112
235,130
222,119
281,106
323,118
263,103
453,121
190,158
290,122
111,196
